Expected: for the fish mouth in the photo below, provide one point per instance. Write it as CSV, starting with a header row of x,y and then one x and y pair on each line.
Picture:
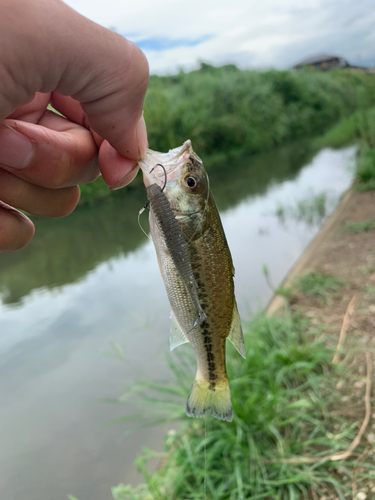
x,y
158,167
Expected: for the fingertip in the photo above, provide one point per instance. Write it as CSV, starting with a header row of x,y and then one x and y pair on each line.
x,y
114,167
126,180
68,199
16,230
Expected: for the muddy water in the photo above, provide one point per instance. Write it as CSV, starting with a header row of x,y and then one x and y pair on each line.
x,y
92,280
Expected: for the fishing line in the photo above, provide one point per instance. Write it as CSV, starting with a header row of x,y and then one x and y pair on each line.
x,y
205,457
139,220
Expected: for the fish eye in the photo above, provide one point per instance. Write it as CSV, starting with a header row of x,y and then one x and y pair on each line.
x,y
192,182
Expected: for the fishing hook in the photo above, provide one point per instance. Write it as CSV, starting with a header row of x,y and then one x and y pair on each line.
x,y
165,174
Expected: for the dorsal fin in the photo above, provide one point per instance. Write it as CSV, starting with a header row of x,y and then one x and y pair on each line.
x,y
235,334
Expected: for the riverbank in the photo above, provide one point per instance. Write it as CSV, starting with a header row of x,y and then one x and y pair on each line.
x,y
333,284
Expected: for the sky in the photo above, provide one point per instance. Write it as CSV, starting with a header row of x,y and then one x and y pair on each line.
x,y
178,34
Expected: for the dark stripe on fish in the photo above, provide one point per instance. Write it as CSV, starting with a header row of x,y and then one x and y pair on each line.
x,y
207,344
176,245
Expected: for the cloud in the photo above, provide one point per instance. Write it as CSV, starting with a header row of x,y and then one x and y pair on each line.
x,y
272,33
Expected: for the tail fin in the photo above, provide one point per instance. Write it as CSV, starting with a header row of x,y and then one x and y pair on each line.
x,y
210,399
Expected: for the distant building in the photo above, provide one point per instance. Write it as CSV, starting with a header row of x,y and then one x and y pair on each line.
x,y
324,62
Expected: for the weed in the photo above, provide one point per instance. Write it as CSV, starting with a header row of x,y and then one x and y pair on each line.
x,y
367,270
318,285
286,292
283,394
370,290
360,227
312,210
360,126
225,110
366,170
341,134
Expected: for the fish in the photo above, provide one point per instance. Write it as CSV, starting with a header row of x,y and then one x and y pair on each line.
x,y
197,269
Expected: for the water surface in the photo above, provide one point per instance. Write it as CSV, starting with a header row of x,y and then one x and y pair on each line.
x,y
91,279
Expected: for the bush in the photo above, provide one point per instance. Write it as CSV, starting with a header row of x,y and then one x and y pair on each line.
x,y
224,109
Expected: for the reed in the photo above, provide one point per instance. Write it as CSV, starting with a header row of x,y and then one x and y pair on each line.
x,y
227,112
289,415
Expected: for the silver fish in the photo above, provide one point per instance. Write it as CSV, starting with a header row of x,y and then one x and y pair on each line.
x,y
181,179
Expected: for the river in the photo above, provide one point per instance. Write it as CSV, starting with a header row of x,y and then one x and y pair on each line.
x,y
91,281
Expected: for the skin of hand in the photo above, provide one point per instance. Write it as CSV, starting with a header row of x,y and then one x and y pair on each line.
x,y
50,54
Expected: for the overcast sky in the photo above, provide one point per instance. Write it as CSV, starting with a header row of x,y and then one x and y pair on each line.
x,y
264,33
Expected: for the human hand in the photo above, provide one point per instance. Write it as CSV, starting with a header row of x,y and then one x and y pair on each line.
x,y
96,79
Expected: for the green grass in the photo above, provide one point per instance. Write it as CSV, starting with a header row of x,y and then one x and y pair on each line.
x,y
360,126
370,289
226,111
318,285
367,270
311,210
341,134
361,227
366,170
286,404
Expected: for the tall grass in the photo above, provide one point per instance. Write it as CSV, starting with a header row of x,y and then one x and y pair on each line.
x,y
286,404
228,111
224,109
360,127
310,210
366,169
318,285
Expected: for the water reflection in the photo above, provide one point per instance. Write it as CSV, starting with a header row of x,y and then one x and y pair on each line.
x,y
92,278
65,250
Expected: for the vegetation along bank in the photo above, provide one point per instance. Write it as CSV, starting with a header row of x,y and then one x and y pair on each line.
x,y
227,112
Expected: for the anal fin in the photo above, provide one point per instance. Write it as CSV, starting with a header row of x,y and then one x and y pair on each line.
x,y
177,336
235,334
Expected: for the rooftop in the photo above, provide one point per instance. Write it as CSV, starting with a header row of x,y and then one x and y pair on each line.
x,y
318,58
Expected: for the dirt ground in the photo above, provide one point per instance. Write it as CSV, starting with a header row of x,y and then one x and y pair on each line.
x,y
349,257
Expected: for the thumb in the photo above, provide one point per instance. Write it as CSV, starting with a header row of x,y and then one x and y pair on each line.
x,y
52,48
108,75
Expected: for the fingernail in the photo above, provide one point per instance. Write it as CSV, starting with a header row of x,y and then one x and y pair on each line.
x,y
142,136
13,211
126,180
16,150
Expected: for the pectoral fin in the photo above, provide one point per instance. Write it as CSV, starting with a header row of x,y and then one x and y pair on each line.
x,y
235,334
177,336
